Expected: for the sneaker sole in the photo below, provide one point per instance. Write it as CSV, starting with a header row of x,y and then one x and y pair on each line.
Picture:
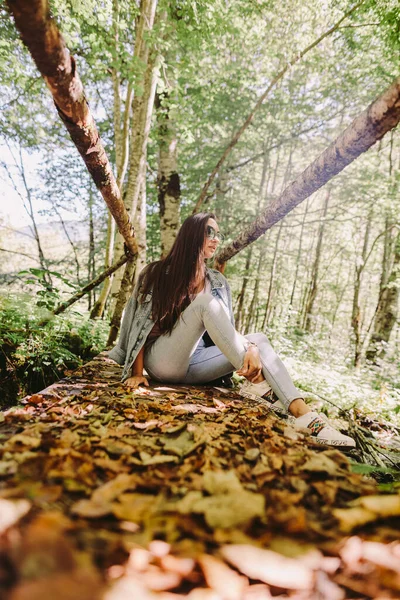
x,y
337,443
264,402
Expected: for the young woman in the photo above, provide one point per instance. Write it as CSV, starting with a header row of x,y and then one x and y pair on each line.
x,y
176,300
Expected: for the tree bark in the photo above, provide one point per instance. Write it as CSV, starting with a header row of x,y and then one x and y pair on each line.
x,y
265,169
312,294
369,127
91,258
126,288
99,306
140,126
43,39
356,310
242,293
168,182
260,101
299,250
386,313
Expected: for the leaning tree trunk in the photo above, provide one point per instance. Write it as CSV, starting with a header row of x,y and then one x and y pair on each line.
x,y
168,182
369,127
41,35
312,294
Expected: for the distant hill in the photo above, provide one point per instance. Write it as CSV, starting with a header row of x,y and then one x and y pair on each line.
x,y
22,248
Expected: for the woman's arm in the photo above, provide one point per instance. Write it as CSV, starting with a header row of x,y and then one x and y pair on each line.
x,y
137,376
137,367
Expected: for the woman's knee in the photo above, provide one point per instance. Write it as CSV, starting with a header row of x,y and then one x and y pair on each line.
x,y
203,300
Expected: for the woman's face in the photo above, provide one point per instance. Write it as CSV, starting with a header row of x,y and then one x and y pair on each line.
x,y
210,244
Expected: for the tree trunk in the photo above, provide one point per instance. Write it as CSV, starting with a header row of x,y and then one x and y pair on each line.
x,y
41,35
275,255
140,127
369,127
356,311
299,250
260,102
91,259
121,146
168,183
271,278
126,289
242,293
98,308
241,297
386,312
252,312
312,294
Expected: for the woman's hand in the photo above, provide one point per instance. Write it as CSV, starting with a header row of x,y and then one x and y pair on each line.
x,y
136,380
252,364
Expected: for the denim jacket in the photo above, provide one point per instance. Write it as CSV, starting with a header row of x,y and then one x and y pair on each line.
x,y
137,322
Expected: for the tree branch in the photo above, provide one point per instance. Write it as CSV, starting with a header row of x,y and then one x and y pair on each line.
x,y
260,101
366,129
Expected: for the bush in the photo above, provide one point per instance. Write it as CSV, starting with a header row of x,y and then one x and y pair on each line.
x,y
33,356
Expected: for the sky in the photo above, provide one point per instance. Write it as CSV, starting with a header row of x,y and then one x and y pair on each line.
x,y
12,211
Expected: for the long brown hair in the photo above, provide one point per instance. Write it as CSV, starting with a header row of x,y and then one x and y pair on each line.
x,y
172,279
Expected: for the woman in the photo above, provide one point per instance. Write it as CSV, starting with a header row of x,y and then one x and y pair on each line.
x,y
176,300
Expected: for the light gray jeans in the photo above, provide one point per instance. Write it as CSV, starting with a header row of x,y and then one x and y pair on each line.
x,y
181,357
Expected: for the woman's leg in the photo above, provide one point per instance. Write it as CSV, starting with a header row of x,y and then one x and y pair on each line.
x,y
175,358
275,372
169,357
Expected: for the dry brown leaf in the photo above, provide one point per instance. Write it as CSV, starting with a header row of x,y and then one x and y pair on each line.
x,y
11,511
229,505
367,509
269,567
82,583
90,509
228,584
320,463
134,507
113,488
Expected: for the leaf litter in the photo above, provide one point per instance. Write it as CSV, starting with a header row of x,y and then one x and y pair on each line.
x,y
175,492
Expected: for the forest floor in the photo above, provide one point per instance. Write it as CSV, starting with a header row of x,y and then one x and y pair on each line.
x,y
172,492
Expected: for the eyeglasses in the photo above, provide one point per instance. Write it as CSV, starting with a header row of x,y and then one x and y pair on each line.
x,y
212,234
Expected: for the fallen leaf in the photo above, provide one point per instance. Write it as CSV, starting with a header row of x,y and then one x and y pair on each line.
x,y
229,505
228,584
269,567
11,511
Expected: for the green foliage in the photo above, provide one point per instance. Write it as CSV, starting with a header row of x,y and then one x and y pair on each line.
x,y
34,356
48,295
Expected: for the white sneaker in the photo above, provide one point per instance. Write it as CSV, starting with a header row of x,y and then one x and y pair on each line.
x,y
322,431
262,392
